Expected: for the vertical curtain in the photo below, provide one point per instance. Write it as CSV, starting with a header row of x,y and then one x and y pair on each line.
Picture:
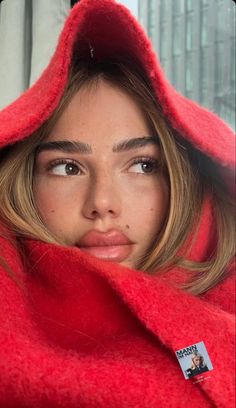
x,y
29,31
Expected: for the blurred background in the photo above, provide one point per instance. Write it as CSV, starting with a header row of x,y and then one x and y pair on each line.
x,y
195,42
194,39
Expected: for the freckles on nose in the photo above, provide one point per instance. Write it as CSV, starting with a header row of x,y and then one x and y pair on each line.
x,y
151,209
127,226
52,211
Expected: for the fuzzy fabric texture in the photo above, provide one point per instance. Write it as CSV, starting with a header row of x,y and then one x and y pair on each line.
x,y
76,332
79,332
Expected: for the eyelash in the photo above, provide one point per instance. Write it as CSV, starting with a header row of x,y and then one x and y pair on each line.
x,y
137,160
61,161
147,160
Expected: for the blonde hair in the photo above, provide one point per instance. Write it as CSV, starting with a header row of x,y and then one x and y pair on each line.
x,y
202,362
192,176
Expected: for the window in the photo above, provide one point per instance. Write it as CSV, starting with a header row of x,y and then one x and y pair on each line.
x,y
204,27
231,118
232,64
189,72
164,7
189,33
189,94
141,12
176,36
204,63
219,72
189,5
163,41
178,6
204,96
195,40
151,18
220,20
176,71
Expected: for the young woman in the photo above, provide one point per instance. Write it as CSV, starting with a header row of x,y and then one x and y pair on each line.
x,y
198,365
117,229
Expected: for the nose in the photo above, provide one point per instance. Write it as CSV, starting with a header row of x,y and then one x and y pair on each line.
x,y
102,198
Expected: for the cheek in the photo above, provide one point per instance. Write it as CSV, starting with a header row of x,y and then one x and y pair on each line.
x,y
151,216
152,209
54,204
150,203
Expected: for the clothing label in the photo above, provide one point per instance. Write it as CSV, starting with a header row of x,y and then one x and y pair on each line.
x,y
194,360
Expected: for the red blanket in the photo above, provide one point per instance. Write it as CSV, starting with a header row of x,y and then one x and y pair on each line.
x,y
83,333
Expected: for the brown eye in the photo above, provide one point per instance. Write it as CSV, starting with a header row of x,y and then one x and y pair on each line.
x,y
147,167
144,166
63,168
71,169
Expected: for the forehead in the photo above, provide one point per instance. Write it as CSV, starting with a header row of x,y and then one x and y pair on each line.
x,y
101,113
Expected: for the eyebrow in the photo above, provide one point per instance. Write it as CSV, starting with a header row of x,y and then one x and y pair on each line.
x,y
67,146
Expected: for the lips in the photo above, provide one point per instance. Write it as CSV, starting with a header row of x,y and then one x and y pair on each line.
x,y
110,246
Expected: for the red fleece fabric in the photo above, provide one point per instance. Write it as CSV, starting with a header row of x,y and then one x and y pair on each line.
x,y
86,333
77,332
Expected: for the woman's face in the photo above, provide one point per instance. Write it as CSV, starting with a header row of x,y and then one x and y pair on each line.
x,y
197,361
105,193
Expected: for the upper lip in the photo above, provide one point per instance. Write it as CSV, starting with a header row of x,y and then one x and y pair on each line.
x,y
95,238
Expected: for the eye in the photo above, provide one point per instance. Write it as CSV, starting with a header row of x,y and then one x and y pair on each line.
x,y
64,168
144,165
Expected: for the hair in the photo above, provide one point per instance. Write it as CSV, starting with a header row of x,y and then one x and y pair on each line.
x,y
202,363
192,177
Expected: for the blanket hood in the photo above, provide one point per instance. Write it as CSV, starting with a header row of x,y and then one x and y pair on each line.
x,y
108,29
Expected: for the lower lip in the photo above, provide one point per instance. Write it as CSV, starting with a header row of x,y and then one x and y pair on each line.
x,y
112,253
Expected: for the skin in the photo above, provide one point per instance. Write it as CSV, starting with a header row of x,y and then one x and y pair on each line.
x,y
197,361
109,190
